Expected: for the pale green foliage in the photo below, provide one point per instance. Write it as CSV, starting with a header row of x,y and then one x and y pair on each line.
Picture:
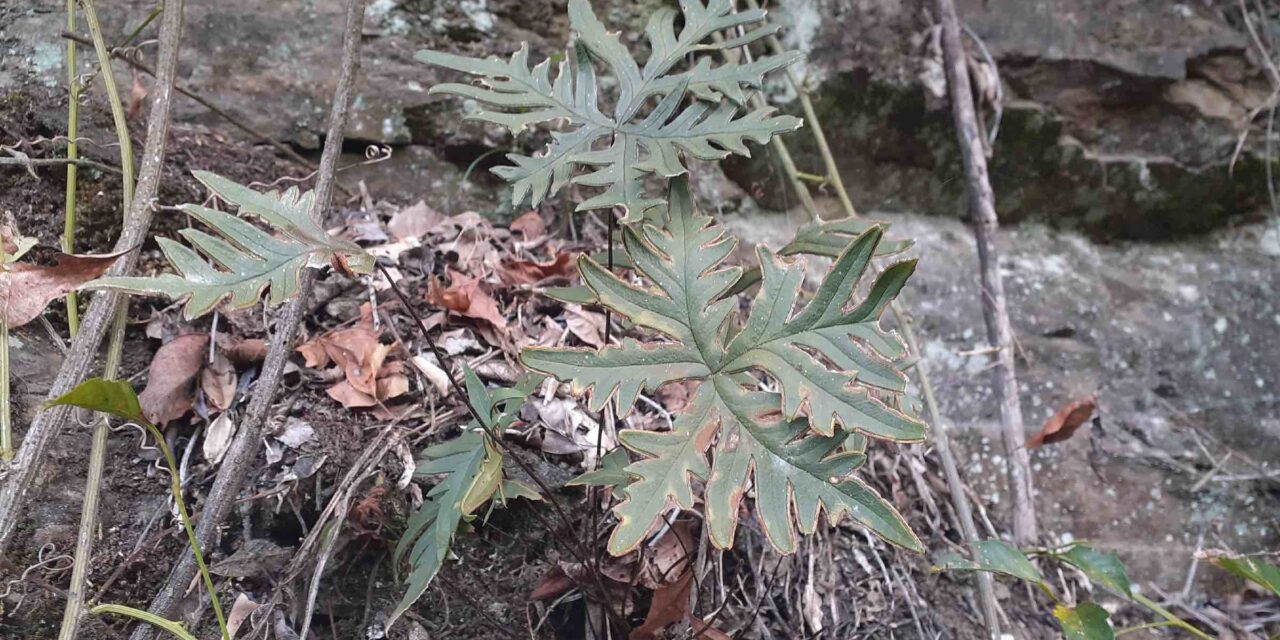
x,y
634,140
801,444
471,470
243,260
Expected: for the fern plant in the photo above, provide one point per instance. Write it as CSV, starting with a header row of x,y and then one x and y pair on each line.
x,y
801,442
472,475
635,138
243,260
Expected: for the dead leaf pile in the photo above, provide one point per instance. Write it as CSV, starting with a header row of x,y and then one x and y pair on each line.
x,y
368,377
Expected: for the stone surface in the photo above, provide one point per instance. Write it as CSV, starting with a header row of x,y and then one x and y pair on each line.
x,y
1178,341
1121,116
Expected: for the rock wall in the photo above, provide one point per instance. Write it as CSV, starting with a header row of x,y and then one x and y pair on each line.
x,y
1120,118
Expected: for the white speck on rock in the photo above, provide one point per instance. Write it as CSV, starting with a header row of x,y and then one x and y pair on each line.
x,y
478,12
1220,325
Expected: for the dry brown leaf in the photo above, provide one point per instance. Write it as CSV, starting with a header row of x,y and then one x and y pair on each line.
x,y
392,386
588,326
435,375
350,397
414,222
555,583
137,95
1064,423
314,354
360,355
26,289
515,272
466,297
670,557
218,380
217,438
530,225
240,612
670,605
704,631
248,352
368,377
170,391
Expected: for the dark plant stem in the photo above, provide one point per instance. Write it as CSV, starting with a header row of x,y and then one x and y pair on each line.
x,y
995,310
241,455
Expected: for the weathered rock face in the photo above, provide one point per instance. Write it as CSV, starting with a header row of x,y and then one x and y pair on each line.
x,y
1178,342
1120,118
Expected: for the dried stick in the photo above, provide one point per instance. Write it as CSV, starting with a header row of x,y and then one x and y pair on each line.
x,y
93,326
243,451
955,486
942,443
994,309
171,29
819,137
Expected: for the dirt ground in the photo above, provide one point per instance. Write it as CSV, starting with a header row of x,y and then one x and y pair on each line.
x,y
859,588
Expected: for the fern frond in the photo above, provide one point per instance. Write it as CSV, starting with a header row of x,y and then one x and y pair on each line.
x,y
242,260
834,367
621,149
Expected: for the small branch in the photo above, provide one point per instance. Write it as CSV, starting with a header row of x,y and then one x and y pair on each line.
x,y
172,31
241,455
811,118
955,486
93,326
71,163
994,307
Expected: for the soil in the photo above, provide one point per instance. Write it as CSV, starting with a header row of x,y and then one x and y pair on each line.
x,y
871,591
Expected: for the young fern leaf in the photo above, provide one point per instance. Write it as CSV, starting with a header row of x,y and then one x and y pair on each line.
x,y
801,444
622,148
472,468
243,259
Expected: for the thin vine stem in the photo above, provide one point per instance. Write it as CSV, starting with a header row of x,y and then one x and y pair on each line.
x,y
115,349
175,486
6,417
1168,616
142,616
73,154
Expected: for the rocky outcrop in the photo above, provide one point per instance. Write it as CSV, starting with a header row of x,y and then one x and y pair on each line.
x,y
1176,340
1120,118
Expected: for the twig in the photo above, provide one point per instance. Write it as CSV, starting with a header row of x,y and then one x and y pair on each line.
x,y
955,486
779,147
995,311
6,415
71,164
171,29
242,453
811,118
959,499
94,324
